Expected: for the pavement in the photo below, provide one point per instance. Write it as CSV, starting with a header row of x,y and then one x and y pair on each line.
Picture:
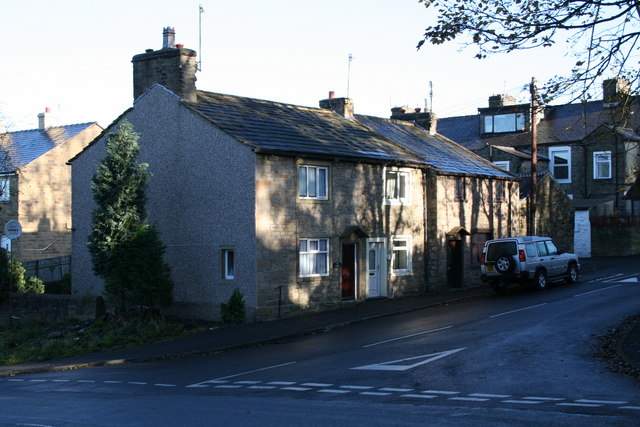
x,y
231,337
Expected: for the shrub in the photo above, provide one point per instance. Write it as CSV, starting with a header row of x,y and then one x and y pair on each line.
x,y
234,311
34,285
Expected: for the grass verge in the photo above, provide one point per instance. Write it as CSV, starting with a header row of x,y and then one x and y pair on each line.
x,y
38,341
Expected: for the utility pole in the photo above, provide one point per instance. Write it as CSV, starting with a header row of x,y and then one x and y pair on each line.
x,y
531,224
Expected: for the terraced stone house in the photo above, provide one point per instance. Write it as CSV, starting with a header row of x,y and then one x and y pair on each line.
x,y
300,208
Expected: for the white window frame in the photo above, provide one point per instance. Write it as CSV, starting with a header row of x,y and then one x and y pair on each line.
x,y
408,248
596,162
306,257
5,189
316,181
495,123
552,165
398,198
228,264
502,164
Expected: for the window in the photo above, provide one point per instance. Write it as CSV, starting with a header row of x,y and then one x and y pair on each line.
x,y
500,123
500,191
503,165
228,264
401,255
551,248
602,165
542,249
314,257
461,191
531,250
4,189
396,189
560,163
313,182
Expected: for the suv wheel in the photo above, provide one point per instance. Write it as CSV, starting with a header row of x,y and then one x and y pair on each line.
x,y
504,264
541,279
572,273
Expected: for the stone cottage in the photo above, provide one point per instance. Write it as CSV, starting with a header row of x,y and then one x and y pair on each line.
x,y
35,186
300,208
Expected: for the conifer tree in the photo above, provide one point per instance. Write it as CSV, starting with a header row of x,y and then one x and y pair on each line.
x,y
120,237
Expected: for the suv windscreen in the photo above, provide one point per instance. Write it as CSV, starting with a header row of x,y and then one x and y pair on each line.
x,y
498,248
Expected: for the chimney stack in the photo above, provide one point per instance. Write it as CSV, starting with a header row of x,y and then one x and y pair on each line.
x,y
45,120
501,100
426,119
173,66
615,90
342,106
168,38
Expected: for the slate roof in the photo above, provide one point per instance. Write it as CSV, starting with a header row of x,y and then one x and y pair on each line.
x,y
566,124
273,126
284,128
18,149
440,153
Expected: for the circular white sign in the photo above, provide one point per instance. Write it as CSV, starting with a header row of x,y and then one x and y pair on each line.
x,y
12,229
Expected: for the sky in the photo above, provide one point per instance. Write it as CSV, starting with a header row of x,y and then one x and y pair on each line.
x,y
74,56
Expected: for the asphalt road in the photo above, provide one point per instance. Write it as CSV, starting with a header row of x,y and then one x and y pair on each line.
x,y
526,358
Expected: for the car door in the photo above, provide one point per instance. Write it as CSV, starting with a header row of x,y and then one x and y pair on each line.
x,y
556,262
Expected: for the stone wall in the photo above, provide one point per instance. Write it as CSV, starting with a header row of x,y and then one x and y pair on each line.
x,y
355,200
480,211
49,307
555,216
627,241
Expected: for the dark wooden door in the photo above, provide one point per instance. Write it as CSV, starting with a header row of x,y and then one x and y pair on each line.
x,y
455,263
348,271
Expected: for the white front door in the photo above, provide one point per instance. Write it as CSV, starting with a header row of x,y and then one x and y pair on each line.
x,y
376,268
582,235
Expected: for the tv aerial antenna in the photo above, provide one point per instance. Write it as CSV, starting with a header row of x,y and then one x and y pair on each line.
x,y
199,62
349,73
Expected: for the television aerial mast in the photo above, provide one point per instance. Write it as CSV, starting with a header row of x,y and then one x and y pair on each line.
x,y
199,62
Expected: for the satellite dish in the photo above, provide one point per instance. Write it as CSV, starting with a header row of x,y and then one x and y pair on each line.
x,y
12,229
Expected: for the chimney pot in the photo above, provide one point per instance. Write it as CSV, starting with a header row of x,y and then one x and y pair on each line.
x,y
332,94
148,50
179,46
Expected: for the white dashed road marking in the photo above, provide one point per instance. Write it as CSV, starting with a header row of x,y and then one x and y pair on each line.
x,y
368,390
407,336
520,309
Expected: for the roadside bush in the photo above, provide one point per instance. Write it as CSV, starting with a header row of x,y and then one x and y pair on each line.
x,y
34,285
11,271
234,311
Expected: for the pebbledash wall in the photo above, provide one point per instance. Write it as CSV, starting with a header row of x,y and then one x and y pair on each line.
x,y
355,201
201,196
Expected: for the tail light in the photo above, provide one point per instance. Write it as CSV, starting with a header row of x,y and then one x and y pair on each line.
x,y
482,258
523,258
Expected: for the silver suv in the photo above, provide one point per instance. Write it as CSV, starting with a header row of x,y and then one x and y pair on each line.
x,y
527,259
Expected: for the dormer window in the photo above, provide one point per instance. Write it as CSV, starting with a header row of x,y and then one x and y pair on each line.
x,y
502,123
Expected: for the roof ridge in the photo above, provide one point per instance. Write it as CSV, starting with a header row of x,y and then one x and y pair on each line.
x,y
57,126
260,100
